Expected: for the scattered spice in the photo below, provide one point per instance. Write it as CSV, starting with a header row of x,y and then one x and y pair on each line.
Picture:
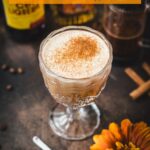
x,y
12,70
9,87
20,70
4,66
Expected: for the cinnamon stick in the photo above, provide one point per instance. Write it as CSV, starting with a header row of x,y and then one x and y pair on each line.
x,y
140,90
135,77
146,67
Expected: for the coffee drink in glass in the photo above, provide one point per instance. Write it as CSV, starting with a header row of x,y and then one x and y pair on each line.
x,y
75,62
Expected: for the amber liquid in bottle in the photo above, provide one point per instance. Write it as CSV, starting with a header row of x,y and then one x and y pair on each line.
x,y
24,22
72,14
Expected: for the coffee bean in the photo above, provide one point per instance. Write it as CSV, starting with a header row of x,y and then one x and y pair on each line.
x,y
12,70
4,66
3,127
9,87
20,70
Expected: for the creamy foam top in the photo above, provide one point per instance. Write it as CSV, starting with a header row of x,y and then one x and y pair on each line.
x,y
75,54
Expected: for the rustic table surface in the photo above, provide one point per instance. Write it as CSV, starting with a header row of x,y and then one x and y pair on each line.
x,y
25,109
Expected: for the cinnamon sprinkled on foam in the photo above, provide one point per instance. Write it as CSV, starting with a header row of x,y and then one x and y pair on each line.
x,y
75,54
77,48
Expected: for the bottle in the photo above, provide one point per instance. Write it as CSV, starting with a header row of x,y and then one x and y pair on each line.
x,y
124,26
1,22
73,14
1,9
25,22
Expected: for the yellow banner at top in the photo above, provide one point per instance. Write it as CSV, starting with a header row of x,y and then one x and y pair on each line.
x,y
75,1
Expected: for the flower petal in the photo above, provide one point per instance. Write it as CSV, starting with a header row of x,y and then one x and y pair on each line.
x,y
96,138
136,129
142,136
115,130
146,141
125,126
95,147
127,137
101,141
130,133
110,137
146,147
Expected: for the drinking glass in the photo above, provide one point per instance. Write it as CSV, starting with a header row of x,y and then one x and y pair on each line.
x,y
124,26
146,36
77,116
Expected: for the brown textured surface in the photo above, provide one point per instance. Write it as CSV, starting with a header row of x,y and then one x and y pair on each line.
x,y
25,109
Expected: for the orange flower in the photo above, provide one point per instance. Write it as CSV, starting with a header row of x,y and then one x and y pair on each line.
x,y
127,136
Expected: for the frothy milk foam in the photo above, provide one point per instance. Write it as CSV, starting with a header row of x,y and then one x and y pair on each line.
x,y
75,54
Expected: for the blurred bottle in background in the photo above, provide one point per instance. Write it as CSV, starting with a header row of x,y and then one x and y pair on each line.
x,y
25,22
124,26
97,23
72,14
1,20
1,9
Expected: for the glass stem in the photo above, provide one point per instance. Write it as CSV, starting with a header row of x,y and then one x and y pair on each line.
x,y
72,113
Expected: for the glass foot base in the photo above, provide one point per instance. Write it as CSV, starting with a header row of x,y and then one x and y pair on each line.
x,y
75,124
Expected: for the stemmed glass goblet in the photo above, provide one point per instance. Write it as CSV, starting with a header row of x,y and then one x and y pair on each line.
x,y
77,116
